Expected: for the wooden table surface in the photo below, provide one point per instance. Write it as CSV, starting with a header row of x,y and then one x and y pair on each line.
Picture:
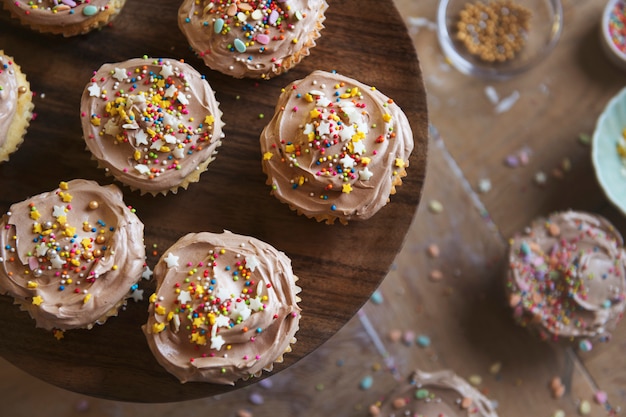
x,y
463,313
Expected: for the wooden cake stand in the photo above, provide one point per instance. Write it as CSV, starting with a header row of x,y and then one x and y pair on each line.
x,y
339,266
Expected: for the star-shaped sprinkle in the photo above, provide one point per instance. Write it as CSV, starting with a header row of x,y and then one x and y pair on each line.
x,y
184,297
119,74
222,321
166,71
399,162
142,169
57,262
346,188
347,161
58,334
37,300
111,127
252,262
217,342
94,90
147,273
256,304
365,174
141,138
137,295
267,156
171,260
58,211
358,147
323,128
347,132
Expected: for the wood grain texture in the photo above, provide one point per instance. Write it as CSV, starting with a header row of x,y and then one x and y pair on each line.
x,y
338,267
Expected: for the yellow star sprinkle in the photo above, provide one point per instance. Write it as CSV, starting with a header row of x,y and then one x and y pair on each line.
x,y
399,163
158,328
35,214
64,185
347,188
160,310
37,300
209,119
386,117
32,284
58,334
267,156
36,228
86,298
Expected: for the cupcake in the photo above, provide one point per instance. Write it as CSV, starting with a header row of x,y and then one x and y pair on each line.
x,y
252,39
16,106
335,148
566,277
225,308
70,257
64,17
441,393
153,124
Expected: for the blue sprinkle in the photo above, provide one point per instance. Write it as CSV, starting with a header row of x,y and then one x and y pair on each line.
x,y
423,341
377,297
366,383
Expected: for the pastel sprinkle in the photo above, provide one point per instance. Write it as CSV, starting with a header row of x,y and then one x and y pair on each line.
x,y
423,341
90,10
377,297
218,25
239,45
366,383
584,408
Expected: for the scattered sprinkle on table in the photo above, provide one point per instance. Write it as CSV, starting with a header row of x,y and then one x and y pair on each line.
x,y
435,206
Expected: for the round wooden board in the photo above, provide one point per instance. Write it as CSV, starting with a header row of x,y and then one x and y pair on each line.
x,y
339,266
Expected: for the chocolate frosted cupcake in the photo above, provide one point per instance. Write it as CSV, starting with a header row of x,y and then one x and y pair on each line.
x,y
566,277
16,106
434,394
254,39
64,17
70,257
225,308
335,148
153,124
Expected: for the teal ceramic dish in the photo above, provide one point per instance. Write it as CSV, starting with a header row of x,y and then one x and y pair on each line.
x,y
607,163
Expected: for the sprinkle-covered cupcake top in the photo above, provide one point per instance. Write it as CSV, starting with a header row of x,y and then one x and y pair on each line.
x,y
225,304
434,394
567,276
250,38
70,256
57,12
150,122
335,146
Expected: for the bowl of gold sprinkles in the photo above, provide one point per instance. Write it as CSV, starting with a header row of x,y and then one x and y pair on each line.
x,y
608,151
497,39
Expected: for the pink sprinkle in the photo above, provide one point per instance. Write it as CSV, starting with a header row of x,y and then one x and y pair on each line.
x,y
600,397
295,108
263,39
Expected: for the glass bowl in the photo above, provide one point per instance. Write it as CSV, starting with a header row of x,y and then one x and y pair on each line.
x,y
539,22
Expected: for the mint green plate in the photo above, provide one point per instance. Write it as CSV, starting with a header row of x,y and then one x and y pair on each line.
x,y
610,170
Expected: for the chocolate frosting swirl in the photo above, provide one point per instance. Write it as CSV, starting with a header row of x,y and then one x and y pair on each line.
x,y
153,124
251,38
335,147
435,394
62,13
567,276
225,308
71,256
